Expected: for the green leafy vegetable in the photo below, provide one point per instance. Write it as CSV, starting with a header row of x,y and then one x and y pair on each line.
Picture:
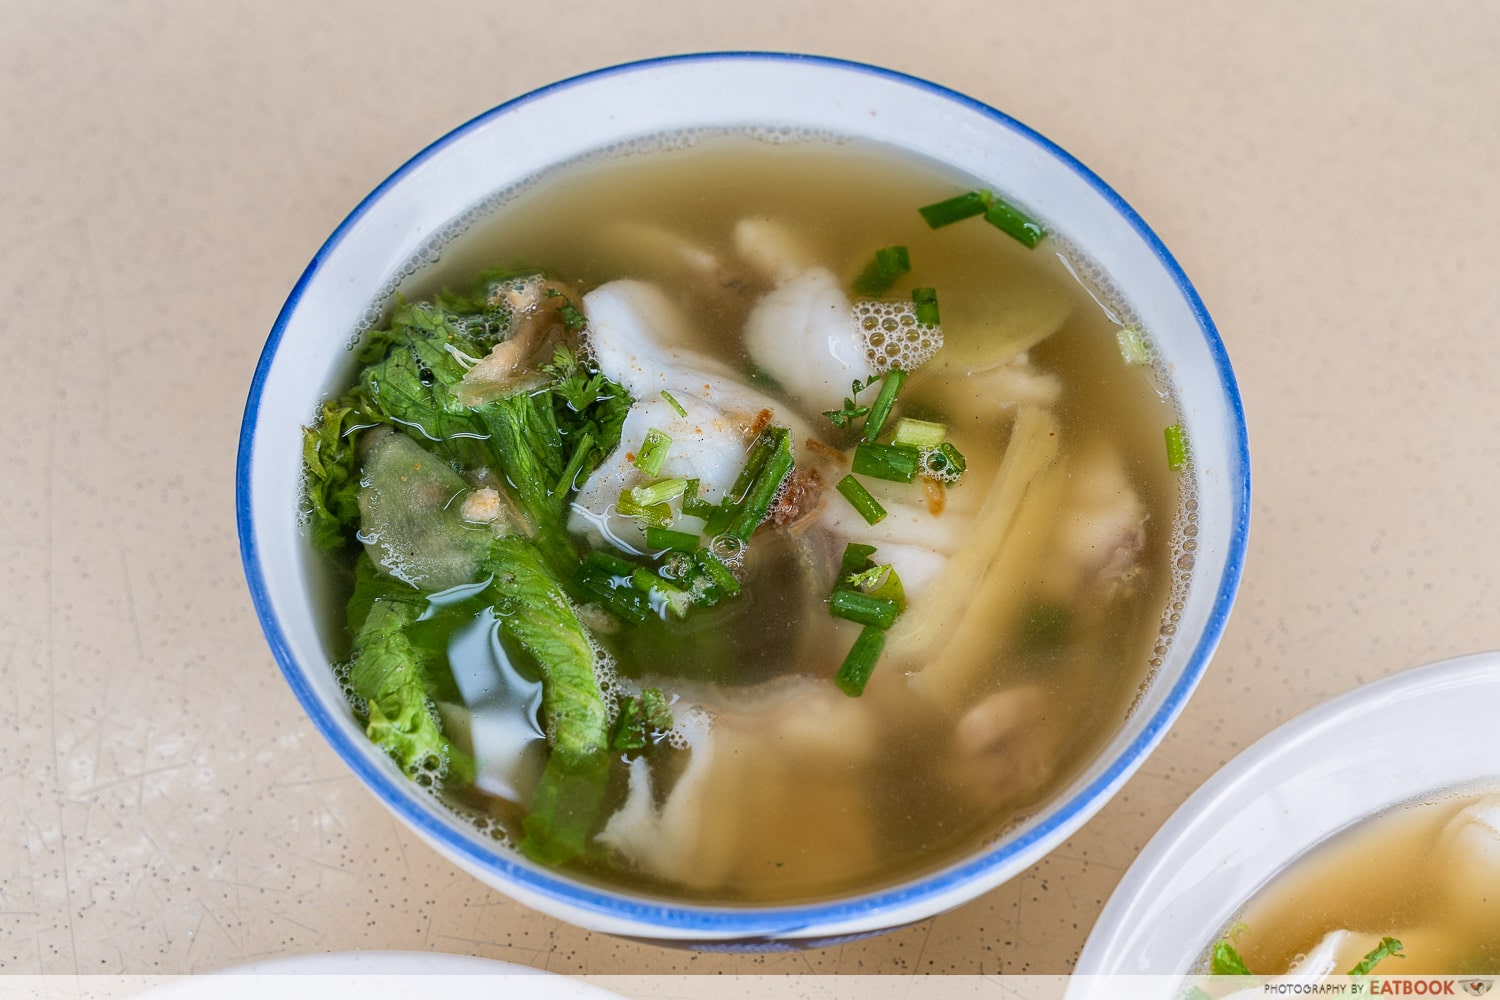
x,y
535,613
1226,961
396,676
332,466
1387,948
851,410
573,318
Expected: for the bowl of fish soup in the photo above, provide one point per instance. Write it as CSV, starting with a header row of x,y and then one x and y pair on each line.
x,y
1159,530
1372,816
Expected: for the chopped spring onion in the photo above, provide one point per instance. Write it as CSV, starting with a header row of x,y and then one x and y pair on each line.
x,y
717,572
672,597
1387,947
860,499
1133,346
775,467
658,514
673,400
608,562
926,302
1176,447
630,727
1014,222
889,264
692,505
653,452
658,492
666,538
965,206
854,673
918,433
896,463
600,582
880,410
856,559
857,606
945,462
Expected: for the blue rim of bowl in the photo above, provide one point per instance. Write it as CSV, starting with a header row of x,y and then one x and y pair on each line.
x,y
721,922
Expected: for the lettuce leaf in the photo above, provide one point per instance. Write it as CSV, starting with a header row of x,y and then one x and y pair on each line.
x,y
534,611
331,464
397,677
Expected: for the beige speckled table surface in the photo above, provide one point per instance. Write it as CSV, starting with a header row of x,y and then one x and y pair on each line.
x,y
1326,174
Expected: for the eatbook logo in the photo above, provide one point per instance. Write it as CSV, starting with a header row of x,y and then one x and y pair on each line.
x,y
1478,987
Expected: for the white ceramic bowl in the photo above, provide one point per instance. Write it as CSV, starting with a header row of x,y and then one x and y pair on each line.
x,y
1381,745
306,353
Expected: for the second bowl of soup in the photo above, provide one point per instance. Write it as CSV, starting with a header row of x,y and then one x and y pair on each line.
x,y
1361,836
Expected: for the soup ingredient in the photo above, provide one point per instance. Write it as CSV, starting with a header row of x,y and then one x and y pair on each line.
x,y
881,273
996,211
1176,447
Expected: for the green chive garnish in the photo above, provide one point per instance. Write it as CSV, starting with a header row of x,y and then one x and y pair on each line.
x,y
717,572
1176,447
1014,222
965,206
653,452
889,264
673,400
666,538
946,461
673,598
886,461
856,559
881,408
854,673
926,302
658,514
919,434
775,466
658,492
860,499
1133,346
857,606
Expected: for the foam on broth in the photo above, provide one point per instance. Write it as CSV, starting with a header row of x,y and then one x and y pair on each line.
x,y
836,794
